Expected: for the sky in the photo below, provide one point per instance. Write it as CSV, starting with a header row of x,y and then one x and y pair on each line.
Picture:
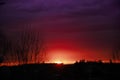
x,y
72,29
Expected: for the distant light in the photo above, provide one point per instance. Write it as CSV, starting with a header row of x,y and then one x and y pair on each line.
x,y
58,62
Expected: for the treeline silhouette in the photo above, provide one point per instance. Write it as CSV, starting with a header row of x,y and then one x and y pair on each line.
x,y
79,71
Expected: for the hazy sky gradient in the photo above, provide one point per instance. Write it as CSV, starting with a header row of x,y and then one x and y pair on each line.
x,y
87,28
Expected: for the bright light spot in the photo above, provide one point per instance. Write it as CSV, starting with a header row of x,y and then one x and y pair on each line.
x,y
61,57
58,62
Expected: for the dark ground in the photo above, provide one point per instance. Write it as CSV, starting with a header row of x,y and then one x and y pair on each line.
x,y
79,71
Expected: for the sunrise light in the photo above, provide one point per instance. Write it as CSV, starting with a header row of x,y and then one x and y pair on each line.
x,y
60,57
58,62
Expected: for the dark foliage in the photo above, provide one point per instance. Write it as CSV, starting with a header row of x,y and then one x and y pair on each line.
x,y
80,71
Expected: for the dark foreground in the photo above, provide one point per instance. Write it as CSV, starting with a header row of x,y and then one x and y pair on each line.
x,y
80,71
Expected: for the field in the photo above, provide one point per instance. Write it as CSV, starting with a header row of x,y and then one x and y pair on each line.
x,y
79,71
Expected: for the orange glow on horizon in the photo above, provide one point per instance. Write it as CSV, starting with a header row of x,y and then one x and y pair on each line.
x,y
59,62
61,56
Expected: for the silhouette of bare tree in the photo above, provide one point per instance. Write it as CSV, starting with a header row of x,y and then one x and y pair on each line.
x,y
4,46
28,46
115,54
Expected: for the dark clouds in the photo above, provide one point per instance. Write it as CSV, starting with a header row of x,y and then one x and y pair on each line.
x,y
60,5
91,12
84,15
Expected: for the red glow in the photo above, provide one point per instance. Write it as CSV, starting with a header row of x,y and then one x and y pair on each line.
x,y
60,56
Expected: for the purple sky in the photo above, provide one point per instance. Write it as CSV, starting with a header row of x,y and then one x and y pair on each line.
x,y
90,27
